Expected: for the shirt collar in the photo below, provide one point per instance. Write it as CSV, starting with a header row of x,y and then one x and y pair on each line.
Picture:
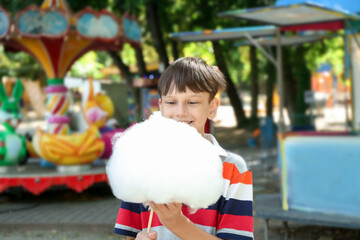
x,y
219,149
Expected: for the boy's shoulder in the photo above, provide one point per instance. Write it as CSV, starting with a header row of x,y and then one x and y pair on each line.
x,y
237,160
228,156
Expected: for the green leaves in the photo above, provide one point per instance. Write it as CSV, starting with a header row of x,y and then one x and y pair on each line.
x,y
86,66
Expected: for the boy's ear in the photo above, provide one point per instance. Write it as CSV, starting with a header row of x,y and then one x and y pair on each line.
x,y
159,104
214,104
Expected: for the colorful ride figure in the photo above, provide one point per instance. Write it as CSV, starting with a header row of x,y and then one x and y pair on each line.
x,y
75,148
12,145
98,109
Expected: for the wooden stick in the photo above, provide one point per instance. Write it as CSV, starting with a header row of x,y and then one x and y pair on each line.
x,y
150,220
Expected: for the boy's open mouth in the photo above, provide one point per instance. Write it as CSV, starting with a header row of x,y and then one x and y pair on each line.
x,y
188,122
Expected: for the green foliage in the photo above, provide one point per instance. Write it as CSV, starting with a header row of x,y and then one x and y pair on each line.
x,y
19,64
77,6
128,55
330,50
239,66
200,49
86,66
14,6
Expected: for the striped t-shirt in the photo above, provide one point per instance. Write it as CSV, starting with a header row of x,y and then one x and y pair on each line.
x,y
231,217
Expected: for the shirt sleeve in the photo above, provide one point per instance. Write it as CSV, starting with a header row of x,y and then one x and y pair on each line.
x,y
235,219
128,221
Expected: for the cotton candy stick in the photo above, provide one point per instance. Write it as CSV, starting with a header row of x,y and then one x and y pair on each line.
x,y
150,220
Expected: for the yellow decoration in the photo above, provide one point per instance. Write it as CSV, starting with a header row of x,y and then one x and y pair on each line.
x,y
105,103
73,149
31,150
98,109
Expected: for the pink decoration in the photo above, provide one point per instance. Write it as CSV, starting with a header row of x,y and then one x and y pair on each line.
x,y
107,140
56,89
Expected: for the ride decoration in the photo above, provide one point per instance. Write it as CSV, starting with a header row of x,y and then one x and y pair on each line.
x,y
4,22
36,184
72,149
57,105
12,145
56,38
98,108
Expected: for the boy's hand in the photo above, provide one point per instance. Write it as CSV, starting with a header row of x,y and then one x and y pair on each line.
x,y
146,236
170,214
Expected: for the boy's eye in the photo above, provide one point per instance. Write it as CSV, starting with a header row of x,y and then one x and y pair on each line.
x,y
170,102
193,102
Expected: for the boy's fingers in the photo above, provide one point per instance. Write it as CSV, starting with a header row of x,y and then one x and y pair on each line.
x,y
174,205
146,236
153,206
153,235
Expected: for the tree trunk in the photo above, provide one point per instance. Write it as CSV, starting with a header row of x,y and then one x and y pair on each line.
x,y
156,33
270,83
254,87
140,61
304,83
231,90
123,68
174,49
289,84
127,75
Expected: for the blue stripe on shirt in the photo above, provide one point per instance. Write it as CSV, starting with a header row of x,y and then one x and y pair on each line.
x,y
233,206
133,207
233,236
125,232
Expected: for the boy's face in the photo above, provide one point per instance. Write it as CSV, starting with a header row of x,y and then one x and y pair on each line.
x,y
189,107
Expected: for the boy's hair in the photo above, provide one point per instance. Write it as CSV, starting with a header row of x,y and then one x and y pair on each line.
x,y
192,73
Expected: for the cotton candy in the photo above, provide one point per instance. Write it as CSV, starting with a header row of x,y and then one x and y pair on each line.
x,y
164,161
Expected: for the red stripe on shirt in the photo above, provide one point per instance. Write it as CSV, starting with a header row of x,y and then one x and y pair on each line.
x,y
145,220
128,218
241,223
205,217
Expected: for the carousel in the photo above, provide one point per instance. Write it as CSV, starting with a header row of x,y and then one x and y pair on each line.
x,y
56,38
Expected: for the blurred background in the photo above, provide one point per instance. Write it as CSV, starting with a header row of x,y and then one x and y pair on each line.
x,y
291,108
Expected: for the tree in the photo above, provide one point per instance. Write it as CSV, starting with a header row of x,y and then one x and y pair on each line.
x,y
231,90
156,32
254,88
204,16
270,69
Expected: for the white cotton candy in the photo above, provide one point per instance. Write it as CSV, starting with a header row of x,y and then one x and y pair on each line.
x,y
164,161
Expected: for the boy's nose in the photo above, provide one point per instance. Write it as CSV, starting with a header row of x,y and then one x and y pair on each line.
x,y
181,110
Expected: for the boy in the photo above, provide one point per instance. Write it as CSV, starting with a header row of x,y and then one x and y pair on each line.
x,y
187,91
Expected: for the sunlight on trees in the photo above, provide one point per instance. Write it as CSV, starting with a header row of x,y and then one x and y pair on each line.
x,y
87,65
200,49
